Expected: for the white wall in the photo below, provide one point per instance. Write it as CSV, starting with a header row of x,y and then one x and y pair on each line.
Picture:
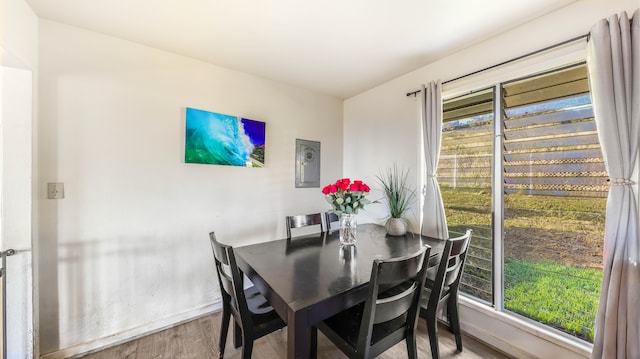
x,y
389,121
18,35
127,250
19,61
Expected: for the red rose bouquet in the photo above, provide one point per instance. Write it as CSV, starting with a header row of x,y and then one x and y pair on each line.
x,y
346,196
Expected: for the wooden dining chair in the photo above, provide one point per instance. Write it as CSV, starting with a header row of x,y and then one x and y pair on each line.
x,y
253,315
390,313
444,288
329,218
303,220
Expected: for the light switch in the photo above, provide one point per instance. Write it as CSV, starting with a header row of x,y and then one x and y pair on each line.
x,y
55,190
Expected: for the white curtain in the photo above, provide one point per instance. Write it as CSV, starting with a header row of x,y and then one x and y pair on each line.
x,y
614,73
434,221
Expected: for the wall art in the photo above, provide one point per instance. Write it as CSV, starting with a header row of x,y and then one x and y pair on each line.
x,y
219,139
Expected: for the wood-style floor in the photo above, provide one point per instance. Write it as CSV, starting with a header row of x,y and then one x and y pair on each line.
x,y
198,339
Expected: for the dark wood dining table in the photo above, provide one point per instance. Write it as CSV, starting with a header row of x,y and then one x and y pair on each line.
x,y
310,278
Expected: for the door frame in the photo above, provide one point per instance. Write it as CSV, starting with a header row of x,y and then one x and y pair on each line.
x,y
16,208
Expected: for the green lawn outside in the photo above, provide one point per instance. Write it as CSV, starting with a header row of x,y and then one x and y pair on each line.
x,y
562,297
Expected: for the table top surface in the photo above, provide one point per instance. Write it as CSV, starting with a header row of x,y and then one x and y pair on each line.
x,y
305,271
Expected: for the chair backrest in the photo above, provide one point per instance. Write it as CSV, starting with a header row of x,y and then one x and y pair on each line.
x,y
450,269
230,279
330,217
394,295
303,220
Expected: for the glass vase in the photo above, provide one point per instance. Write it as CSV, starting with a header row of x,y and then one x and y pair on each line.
x,y
348,229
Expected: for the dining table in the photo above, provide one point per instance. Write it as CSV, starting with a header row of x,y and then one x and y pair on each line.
x,y
310,278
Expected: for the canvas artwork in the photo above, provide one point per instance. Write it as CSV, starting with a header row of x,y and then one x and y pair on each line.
x,y
219,139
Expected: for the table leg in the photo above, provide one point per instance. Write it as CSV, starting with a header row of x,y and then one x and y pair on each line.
x,y
301,336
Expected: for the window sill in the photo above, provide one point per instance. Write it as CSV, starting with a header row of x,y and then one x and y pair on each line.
x,y
517,336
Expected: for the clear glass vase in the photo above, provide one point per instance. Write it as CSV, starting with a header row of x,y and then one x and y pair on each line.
x,y
348,229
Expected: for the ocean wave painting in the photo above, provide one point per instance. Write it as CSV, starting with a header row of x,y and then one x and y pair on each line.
x,y
219,139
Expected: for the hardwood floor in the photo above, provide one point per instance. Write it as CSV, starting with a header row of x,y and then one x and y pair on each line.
x,y
198,339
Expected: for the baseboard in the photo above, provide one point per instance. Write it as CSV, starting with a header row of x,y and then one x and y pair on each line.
x,y
134,333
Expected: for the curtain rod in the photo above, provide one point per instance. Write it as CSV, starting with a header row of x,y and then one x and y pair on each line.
x,y
414,93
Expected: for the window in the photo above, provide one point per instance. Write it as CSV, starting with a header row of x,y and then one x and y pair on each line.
x,y
464,174
549,200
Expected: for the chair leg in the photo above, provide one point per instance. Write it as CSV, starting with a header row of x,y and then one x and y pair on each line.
x,y
314,343
247,347
224,329
454,320
433,334
412,349
237,335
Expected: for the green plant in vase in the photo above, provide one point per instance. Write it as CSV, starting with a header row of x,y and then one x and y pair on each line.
x,y
398,196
